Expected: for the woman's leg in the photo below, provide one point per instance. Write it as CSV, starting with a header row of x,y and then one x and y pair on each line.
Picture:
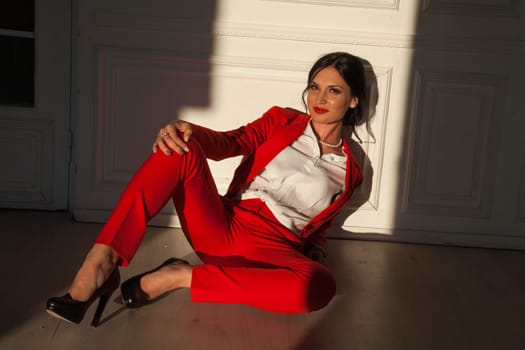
x,y
185,178
264,268
294,284
161,177
258,263
286,282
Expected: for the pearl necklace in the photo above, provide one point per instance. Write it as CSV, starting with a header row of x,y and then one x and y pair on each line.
x,y
331,144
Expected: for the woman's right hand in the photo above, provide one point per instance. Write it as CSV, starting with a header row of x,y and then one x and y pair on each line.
x,y
168,138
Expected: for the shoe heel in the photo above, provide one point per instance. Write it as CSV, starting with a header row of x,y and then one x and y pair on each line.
x,y
102,302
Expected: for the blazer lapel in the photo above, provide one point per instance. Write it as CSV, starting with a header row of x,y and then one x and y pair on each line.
x,y
275,144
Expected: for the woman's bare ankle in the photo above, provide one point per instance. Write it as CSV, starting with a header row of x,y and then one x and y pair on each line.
x,y
168,278
98,265
103,254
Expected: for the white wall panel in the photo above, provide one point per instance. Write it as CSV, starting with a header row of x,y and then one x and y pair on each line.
x,y
474,20
520,212
386,16
372,4
26,177
485,8
454,145
132,86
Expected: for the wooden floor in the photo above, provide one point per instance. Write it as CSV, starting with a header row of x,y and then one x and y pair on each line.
x,y
390,296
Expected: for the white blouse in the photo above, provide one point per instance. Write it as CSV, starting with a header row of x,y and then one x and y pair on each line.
x,y
299,182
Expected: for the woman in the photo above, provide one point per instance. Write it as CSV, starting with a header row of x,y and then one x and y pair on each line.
x,y
263,243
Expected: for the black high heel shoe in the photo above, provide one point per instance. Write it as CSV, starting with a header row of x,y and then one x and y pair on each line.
x,y
133,295
71,310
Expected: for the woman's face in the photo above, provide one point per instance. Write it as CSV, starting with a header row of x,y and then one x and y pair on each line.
x,y
329,97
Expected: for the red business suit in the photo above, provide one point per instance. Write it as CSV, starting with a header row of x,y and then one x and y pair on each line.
x,y
249,257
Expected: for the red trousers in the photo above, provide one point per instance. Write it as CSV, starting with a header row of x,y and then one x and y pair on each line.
x,y
249,257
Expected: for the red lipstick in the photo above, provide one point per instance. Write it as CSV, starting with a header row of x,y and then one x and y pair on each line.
x,y
320,110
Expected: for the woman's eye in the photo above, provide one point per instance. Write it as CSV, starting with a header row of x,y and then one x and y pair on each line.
x,y
312,87
334,91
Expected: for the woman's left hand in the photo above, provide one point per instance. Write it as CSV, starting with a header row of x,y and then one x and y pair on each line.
x,y
168,138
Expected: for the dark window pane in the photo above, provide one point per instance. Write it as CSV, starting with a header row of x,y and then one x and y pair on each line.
x,y
17,70
17,15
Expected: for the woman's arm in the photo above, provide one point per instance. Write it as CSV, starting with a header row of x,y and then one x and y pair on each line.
x,y
222,144
243,140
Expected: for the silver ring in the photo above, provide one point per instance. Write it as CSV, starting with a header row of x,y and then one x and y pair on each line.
x,y
164,134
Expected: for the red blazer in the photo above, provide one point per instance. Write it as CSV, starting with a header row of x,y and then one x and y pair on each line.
x,y
259,142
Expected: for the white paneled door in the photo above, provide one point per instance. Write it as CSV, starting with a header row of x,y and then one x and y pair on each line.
x,y
34,103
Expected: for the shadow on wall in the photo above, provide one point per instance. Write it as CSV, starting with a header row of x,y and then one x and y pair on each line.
x,y
170,70
150,59
460,100
362,193
461,152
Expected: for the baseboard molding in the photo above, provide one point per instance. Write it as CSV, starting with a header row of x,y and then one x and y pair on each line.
x,y
462,239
